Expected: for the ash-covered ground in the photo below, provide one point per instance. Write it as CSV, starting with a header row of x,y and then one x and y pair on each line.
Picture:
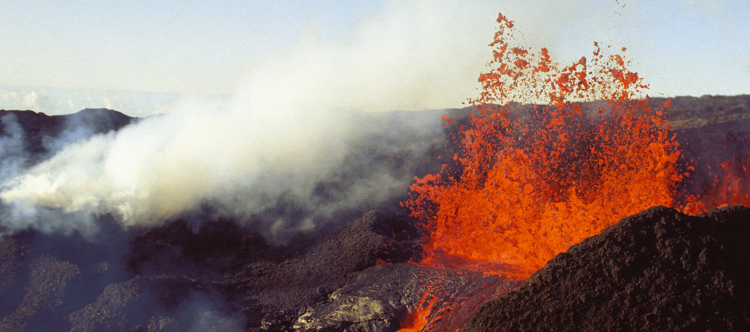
x,y
207,270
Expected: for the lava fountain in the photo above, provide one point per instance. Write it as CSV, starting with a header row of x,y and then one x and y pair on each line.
x,y
540,166
553,154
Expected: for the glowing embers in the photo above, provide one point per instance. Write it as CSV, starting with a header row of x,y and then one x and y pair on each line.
x,y
538,170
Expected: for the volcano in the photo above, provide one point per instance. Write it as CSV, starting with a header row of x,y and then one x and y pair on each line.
x,y
202,271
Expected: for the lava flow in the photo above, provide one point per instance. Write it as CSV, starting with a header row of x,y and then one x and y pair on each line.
x,y
416,321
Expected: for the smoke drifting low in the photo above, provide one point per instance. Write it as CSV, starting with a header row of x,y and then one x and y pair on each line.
x,y
297,144
287,169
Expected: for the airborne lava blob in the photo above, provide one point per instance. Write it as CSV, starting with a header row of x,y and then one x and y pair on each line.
x,y
533,178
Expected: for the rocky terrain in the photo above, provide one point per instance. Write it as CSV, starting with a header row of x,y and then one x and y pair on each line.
x,y
200,272
659,270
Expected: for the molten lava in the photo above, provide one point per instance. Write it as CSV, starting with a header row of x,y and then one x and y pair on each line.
x,y
417,320
551,155
537,169
730,186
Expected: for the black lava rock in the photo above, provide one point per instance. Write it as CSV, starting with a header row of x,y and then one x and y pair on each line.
x,y
659,270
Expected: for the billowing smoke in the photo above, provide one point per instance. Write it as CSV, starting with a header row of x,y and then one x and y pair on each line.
x,y
12,154
298,142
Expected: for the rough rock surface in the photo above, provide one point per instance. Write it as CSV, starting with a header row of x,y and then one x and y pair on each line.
x,y
271,284
219,276
384,297
47,281
223,277
659,270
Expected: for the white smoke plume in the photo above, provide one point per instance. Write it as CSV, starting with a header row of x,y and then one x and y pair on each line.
x,y
12,154
166,165
291,127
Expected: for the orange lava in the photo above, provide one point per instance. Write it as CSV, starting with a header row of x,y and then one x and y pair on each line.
x,y
538,170
731,186
416,321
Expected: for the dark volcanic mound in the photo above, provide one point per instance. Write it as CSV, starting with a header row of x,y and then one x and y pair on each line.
x,y
39,130
659,270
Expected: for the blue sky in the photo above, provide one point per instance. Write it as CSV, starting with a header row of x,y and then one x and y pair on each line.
x,y
173,46
433,50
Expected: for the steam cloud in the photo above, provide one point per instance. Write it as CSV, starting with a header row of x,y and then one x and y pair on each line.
x,y
12,155
288,135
